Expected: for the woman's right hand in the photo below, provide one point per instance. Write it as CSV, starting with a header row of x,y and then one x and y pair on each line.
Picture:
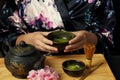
x,y
39,41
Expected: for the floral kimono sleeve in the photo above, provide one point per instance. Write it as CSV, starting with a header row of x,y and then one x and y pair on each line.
x,y
96,16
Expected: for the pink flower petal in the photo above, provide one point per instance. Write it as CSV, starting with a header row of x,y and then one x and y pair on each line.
x,y
91,1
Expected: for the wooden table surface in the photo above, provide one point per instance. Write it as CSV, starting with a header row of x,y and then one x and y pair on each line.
x,y
102,73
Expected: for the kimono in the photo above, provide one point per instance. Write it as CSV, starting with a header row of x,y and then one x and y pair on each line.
x,y
26,16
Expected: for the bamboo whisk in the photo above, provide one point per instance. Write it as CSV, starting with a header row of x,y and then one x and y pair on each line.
x,y
89,50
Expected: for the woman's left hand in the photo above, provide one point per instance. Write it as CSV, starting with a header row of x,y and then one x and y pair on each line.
x,y
81,38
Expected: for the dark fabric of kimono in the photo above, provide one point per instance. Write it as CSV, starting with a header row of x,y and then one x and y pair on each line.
x,y
97,17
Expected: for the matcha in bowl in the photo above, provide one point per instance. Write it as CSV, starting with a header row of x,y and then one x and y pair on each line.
x,y
60,38
73,68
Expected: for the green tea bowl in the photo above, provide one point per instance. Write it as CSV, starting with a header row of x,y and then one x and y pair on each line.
x,y
73,68
60,38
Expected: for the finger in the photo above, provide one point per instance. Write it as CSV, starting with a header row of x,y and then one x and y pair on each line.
x,y
46,50
75,46
76,39
45,40
70,50
44,47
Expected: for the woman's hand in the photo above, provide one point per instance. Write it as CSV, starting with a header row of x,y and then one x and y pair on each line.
x,y
81,38
39,41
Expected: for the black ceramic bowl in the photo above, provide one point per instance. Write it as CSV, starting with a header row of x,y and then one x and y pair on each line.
x,y
73,68
60,38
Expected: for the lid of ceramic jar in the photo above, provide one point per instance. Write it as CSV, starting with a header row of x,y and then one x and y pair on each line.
x,y
23,49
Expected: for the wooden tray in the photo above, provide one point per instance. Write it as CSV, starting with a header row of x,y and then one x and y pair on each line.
x,y
102,73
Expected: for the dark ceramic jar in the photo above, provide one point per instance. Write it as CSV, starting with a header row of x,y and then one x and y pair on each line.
x,y
22,58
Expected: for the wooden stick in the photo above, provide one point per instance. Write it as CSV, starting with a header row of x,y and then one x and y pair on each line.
x,y
89,71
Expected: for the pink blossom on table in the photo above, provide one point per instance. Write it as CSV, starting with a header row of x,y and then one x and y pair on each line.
x,y
91,1
32,74
46,73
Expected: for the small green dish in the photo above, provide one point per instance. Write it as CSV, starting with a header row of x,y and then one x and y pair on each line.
x,y
73,68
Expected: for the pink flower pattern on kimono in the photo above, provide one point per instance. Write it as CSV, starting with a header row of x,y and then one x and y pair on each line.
x,y
35,10
107,33
46,21
15,19
91,1
30,12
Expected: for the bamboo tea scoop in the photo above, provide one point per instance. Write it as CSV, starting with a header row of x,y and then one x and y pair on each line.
x,y
89,71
